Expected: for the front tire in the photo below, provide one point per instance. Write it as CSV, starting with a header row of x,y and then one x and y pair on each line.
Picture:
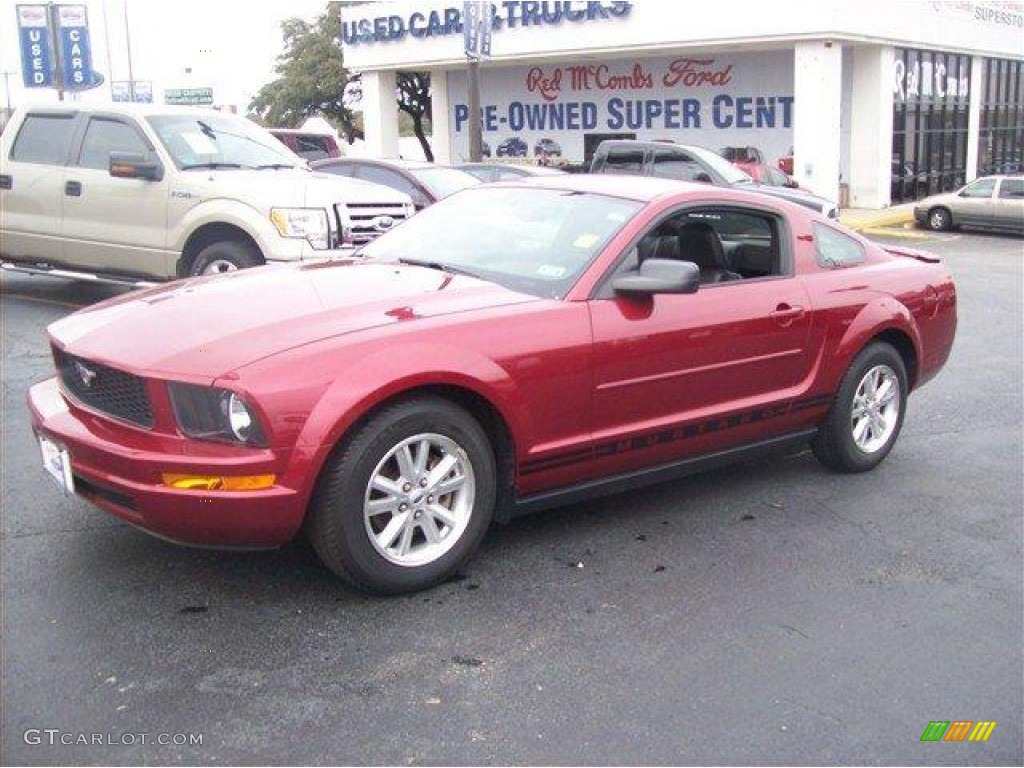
x,y
867,413
940,219
225,256
405,501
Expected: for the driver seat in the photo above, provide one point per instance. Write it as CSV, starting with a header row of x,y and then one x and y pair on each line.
x,y
699,243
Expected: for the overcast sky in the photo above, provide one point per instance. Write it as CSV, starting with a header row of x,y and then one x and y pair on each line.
x,y
230,45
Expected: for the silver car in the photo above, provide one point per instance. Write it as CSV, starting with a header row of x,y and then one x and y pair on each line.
x,y
991,202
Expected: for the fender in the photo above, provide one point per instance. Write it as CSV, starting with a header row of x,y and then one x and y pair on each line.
x,y
388,373
885,313
221,211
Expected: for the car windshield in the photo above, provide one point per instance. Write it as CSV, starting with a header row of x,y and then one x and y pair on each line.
x,y
732,174
532,240
443,181
219,141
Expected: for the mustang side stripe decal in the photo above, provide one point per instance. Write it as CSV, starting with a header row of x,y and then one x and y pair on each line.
x,y
671,435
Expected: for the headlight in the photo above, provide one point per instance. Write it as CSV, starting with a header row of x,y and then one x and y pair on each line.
x,y
308,223
210,413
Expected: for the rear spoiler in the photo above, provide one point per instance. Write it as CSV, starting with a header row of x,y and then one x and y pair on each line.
x,y
912,253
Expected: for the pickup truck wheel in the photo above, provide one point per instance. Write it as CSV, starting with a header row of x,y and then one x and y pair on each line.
x,y
225,256
867,412
405,501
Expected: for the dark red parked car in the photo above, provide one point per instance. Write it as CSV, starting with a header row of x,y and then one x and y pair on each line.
x,y
513,347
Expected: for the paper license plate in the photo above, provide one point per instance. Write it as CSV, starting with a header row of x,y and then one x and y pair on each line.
x,y
57,463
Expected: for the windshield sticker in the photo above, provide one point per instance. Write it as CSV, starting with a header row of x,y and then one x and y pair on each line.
x,y
551,270
585,242
200,144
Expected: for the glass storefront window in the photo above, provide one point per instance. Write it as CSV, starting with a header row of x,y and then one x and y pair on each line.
x,y
930,112
1001,143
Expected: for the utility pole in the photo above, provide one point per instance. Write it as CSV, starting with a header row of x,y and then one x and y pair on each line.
x,y
53,12
476,133
7,88
128,45
476,29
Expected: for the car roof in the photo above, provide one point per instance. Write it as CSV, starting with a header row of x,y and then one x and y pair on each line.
x,y
526,169
127,108
298,132
640,188
394,162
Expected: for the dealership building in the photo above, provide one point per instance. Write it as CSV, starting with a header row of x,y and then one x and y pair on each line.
x,y
874,102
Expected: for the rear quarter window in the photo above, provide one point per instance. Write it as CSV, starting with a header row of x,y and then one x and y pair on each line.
x,y
43,139
835,249
1012,189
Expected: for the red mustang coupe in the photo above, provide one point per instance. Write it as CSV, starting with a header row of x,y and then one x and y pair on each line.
x,y
513,347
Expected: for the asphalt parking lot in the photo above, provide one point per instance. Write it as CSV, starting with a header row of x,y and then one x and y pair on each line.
x,y
769,613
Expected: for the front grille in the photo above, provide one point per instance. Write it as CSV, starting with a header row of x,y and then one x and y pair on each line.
x,y
105,389
366,221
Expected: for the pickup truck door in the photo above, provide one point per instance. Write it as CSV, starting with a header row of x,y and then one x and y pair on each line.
x,y
113,224
31,187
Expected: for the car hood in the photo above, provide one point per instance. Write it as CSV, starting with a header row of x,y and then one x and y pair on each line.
x,y
203,328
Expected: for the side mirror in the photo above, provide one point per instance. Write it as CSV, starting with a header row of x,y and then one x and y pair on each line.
x,y
703,178
133,165
660,276
792,184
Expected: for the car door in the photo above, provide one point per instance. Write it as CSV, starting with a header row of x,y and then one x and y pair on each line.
x,y
678,375
975,203
113,224
1009,206
31,187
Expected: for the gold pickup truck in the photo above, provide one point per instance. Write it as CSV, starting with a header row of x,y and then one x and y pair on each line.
x,y
142,193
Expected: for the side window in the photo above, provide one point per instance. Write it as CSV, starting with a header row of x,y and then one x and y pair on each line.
x,y
388,178
673,164
980,188
728,245
1012,189
624,161
835,249
104,136
43,139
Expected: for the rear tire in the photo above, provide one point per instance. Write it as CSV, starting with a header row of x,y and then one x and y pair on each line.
x,y
225,256
867,412
405,501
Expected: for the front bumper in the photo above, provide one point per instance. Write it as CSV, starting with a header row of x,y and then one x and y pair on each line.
x,y
119,469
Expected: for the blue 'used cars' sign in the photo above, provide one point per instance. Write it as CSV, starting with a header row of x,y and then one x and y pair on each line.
x,y
75,50
36,46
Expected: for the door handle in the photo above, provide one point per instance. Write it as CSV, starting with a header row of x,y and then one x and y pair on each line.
x,y
786,314
6,181
73,188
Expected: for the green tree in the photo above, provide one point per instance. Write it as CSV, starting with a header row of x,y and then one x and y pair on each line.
x,y
414,100
313,81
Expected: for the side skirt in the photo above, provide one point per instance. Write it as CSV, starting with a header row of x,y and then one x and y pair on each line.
x,y
605,486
